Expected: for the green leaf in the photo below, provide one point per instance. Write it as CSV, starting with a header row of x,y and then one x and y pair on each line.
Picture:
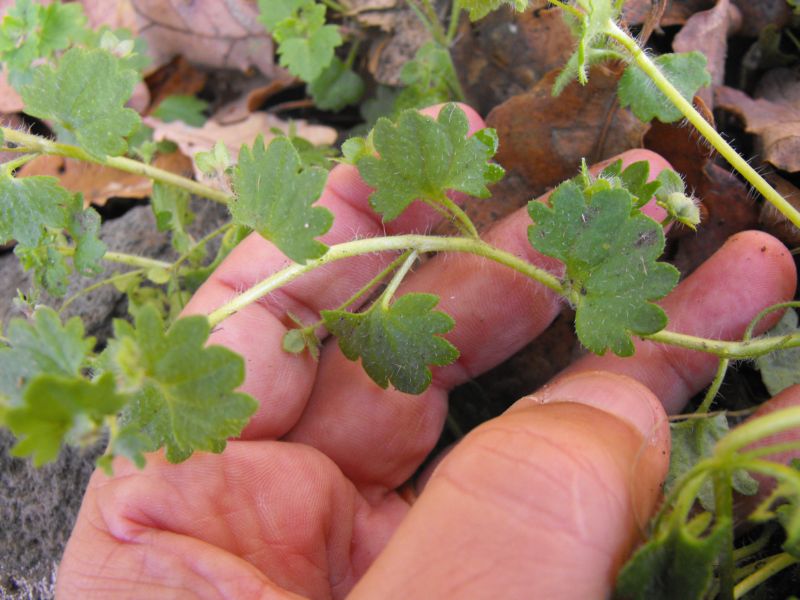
x,y
677,564
594,45
30,31
214,161
781,369
183,392
422,158
687,72
635,178
336,87
480,8
170,206
58,410
610,253
42,346
85,95
84,227
181,107
30,205
429,78
305,42
692,441
396,343
274,196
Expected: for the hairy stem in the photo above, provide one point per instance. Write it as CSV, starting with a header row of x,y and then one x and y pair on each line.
x,y
421,243
121,258
713,389
391,289
695,118
97,286
45,146
770,567
725,349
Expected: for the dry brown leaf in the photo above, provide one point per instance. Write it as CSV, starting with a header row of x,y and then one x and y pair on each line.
x,y
776,123
98,183
506,53
192,140
211,33
95,182
545,138
176,77
707,32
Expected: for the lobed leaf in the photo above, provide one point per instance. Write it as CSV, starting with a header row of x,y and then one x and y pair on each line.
x,y
687,72
42,346
183,394
305,42
677,564
422,158
609,251
30,205
274,196
58,409
85,94
396,343
336,87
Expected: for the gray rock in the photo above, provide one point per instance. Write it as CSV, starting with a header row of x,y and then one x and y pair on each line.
x,y
38,506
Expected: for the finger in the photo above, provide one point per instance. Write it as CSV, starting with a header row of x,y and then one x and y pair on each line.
x,y
262,520
546,501
788,398
281,381
497,311
751,271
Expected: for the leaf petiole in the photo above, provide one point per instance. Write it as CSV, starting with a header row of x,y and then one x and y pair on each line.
x,y
391,289
770,567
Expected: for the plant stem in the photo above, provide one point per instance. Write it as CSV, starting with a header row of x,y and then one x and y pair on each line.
x,y
771,567
45,146
695,118
333,5
201,242
124,259
13,165
723,496
713,389
421,243
754,547
97,286
726,349
390,290
455,17
748,333
757,429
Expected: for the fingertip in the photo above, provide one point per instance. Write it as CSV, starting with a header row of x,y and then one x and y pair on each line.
x,y
476,122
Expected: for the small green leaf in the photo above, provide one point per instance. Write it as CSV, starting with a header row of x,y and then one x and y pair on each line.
x,y
84,227
429,78
676,564
692,441
86,95
422,158
687,72
781,369
41,346
396,343
274,196
183,392
305,42
609,251
170,206
336,87
214,161
58,410
30,205
181,107
480,8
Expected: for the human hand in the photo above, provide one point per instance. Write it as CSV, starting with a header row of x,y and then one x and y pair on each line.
x,y
545,501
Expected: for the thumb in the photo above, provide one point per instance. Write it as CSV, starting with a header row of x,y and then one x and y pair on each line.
x,y
545,501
